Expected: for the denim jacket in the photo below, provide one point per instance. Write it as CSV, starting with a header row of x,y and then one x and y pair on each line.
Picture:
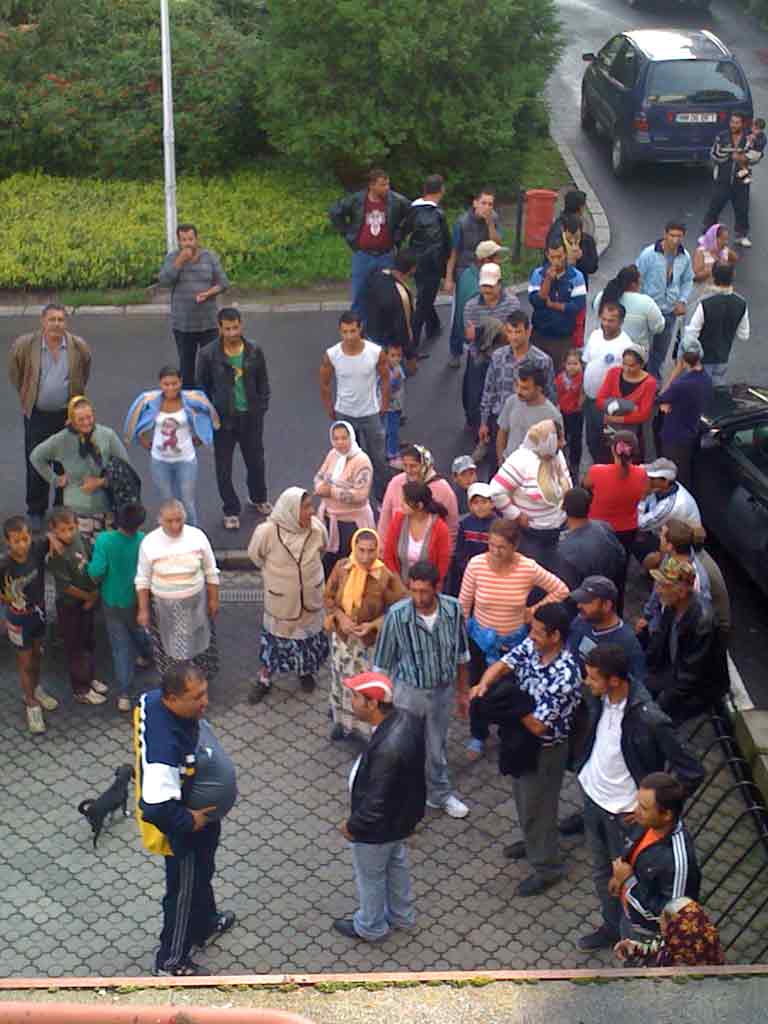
x,y
202,416
652,265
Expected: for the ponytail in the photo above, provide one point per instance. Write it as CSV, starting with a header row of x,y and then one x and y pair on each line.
x,y
417,493
618,285
625,448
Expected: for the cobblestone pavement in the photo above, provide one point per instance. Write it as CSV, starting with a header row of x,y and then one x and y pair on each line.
x,y
282,864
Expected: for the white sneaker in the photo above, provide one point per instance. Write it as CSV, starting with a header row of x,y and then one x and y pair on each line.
x,y
231,522
45,700
453,807
35,720
98,686
123,703
90,697
744,242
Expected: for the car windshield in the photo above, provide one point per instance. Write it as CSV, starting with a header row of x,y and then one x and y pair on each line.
x,y
695,81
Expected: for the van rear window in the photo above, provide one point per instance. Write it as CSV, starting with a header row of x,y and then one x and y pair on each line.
x,y
695,81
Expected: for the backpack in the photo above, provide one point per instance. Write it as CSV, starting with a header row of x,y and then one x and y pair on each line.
x,y
123,484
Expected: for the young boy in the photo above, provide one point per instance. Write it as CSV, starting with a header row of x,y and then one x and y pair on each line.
x,y
23,595
755,148
569,384
113,565
464,473
393,416
76,597
472,538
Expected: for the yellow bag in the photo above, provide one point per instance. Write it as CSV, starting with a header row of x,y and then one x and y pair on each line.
x,y
152,838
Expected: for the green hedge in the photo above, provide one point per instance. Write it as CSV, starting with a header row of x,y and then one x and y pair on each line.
x,y
269,226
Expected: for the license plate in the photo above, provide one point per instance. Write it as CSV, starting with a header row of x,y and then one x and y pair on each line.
x,y
696,118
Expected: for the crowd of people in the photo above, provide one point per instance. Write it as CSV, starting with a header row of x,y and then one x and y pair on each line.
x,y
496,591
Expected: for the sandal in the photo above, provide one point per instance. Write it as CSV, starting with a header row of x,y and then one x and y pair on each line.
x,y
186,969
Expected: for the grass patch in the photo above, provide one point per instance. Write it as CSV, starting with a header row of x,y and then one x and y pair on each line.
x,y
102,242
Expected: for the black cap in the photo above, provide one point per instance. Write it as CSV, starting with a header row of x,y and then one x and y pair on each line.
x,y
595,588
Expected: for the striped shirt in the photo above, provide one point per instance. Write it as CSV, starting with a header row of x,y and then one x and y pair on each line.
x,y
515,489
409,652
176,567
497,601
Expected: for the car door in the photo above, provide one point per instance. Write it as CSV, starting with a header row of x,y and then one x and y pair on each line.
x,y
600,84
622,77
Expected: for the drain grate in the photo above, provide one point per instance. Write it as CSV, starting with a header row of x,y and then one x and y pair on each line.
x,y
246,595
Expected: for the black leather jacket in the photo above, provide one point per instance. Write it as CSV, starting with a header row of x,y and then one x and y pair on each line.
x,y
347,215
426,231
649,742
389,792
216,377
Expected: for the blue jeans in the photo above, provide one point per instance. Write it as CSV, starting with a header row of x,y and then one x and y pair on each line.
x,y
362,265
660,346
177,480
392,432
718,372
127,643
383,887
434,706
370,436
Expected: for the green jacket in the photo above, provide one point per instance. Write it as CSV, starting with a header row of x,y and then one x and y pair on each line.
x,y
64,448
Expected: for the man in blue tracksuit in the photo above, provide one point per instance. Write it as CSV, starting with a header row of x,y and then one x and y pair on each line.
x,y
666,274
558,293
168,723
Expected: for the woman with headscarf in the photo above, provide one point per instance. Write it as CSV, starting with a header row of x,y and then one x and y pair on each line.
x,y
419,468
357,595
177,590
712,248
530,485
289,548
688,939
343,482
83,449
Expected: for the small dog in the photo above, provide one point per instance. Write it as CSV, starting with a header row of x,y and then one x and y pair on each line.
x,y
115,796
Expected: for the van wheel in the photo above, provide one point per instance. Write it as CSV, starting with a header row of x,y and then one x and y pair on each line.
x,y
587,120
620,161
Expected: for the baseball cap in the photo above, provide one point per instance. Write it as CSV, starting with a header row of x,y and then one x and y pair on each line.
x,y
479,491
461,464
661,469
484,250
373,685
594,588
674,570
490,274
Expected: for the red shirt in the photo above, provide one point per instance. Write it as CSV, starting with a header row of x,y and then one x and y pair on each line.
x,y
568,391
615,497
374,234
643,395
439,546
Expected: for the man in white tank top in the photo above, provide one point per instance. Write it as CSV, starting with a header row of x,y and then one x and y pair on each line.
x,y
361,375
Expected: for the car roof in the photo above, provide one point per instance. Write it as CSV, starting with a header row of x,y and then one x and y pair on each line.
x,y
678,44
737,404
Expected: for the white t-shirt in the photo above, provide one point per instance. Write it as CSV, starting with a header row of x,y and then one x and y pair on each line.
x,y
429,620
172,439
605,777
356,380
599,356
414,550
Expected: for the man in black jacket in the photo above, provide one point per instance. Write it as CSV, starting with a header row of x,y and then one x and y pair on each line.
x,y
430,238
733,155
660,864
390,304
370,222
388,797
233,373
627,738
686,655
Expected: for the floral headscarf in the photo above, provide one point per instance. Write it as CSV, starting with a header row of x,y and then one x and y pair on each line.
x,y
690,939
428,470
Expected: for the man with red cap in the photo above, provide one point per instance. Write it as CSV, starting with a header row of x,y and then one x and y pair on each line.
x,y
388,795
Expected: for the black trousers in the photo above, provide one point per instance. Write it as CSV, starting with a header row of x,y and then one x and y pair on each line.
x,y
425,314
738,196
247,430
573,422
38,427
188,344
189,906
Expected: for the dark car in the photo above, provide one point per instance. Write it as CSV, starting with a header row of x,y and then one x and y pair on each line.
x,y
662,95
730,476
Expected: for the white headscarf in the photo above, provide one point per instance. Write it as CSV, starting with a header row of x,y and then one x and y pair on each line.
x,y
285,515
354,448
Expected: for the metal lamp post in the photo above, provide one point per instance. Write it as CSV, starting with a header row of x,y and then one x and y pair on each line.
x,y
169,153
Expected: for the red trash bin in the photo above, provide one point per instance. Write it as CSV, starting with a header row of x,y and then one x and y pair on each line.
x,y
539,214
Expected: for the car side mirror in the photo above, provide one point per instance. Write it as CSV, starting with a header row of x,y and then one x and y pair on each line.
x,y
588,56
709,440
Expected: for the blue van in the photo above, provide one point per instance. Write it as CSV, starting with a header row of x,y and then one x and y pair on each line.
x,y
662,95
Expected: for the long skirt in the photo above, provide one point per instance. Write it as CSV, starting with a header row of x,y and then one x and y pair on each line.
x,y
302,655
348,658
207,661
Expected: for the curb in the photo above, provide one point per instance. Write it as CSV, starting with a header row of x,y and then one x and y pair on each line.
x,y
599,216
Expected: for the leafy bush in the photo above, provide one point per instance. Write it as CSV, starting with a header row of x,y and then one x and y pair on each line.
x,y
269,226
453,88
81,92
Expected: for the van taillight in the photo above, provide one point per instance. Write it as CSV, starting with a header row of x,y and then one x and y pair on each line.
x,y
640,123
722,116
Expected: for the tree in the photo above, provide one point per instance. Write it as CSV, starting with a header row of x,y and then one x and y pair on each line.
x,y
425,87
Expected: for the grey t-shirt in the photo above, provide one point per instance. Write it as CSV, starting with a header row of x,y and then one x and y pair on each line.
x,y
517,418
215,780
185,284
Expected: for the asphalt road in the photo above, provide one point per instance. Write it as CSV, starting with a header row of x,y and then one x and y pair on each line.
x,y
129,350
